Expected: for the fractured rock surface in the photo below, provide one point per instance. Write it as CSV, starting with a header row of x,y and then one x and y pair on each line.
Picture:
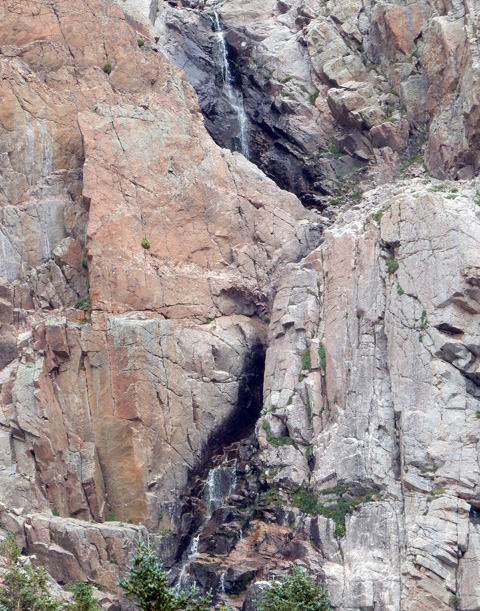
x,y
388,398
149,277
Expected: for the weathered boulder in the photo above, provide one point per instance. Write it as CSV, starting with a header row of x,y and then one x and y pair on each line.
x,y
355,105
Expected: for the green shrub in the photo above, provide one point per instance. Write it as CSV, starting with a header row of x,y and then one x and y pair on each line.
x,y
423,321
107,68
145,243
392,265
55,512
306,359
110,517
306,500
295,592
140,42
147,583
323,357
276,441
273,498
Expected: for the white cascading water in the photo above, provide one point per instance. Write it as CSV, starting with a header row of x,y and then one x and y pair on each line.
x,y
222,583
192,552
234,96
221,482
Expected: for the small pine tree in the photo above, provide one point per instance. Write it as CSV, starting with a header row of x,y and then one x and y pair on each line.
x,y
296,592
148,583
25,588
82,597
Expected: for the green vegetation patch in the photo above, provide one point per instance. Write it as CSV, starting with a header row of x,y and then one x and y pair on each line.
x,y
323,357
276,441
392,265
294,592
307,500
84,304
306,359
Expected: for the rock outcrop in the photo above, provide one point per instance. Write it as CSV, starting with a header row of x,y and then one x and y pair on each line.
x,y
161,298
315,74
371,370
139,262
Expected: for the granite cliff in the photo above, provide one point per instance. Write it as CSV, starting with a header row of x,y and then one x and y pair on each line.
x,y
258,376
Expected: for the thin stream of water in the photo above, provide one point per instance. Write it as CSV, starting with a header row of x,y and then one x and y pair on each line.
x,y
234,96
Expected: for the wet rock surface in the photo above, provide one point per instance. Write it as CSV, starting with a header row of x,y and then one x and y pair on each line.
x,y
311,73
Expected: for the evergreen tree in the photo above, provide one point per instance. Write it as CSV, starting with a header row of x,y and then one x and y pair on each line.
x,y
296,592
25,588
147,582
82,597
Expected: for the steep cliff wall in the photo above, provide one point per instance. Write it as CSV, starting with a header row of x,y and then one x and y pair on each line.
x,y
387,311
337,92
151,282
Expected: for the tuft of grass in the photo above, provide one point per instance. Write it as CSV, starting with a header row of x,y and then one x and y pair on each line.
x,y
107,68
323,357
306,359
309,408
423,321
377,217
273,498
145,243
83,304
417,158
140,42
110,517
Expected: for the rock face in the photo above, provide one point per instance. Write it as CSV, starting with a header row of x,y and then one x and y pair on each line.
x,y
314,73
371,364
161,298
131,343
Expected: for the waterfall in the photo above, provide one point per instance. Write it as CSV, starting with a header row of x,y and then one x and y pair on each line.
x,y
192,552
221,482
221,586
234,96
